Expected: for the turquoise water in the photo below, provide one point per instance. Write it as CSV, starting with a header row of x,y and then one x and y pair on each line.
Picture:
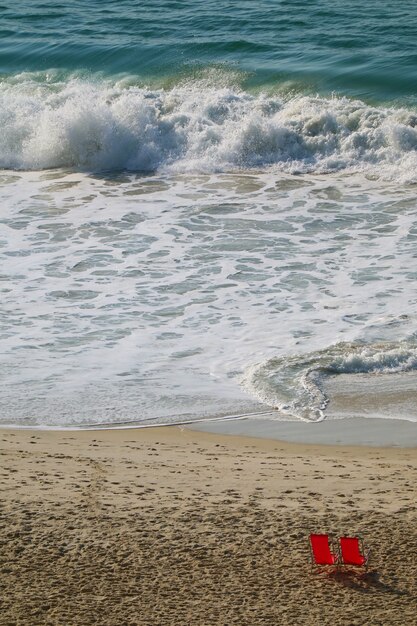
x,y
362,50
207,209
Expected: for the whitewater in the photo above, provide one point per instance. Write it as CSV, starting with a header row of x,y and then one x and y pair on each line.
x,y
162,298
98,125
207,211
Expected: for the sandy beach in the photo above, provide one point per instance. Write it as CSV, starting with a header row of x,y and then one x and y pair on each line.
x,y
171,526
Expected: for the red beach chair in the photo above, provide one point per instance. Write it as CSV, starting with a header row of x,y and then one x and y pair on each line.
x,y
321,552
353,552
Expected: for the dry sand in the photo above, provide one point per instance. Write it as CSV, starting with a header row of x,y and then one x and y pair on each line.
x,y
172,526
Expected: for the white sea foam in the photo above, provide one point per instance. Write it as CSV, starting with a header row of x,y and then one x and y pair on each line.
x,y
293,384
130,297
99,125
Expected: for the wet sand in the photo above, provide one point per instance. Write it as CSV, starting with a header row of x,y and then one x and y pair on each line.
x,y
171,526
352,431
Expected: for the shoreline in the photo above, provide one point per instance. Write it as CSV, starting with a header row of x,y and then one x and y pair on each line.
x,y
167,526
346,431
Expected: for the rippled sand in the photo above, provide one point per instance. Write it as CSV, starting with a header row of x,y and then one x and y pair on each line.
x,y
170,526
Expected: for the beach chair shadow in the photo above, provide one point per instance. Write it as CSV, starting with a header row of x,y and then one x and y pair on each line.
x,y
365,581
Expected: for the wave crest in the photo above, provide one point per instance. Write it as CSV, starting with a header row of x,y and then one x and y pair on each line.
x,y
97,125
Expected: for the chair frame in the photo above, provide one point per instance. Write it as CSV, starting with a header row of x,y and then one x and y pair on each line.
x,y
365,551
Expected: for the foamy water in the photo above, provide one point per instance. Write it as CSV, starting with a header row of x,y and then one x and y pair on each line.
x,y
197,127
167,297
294,384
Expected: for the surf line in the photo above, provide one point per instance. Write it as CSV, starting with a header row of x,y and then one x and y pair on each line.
x,y
135,424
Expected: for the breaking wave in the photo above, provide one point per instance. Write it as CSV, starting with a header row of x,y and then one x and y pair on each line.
x,y
292,384
102,125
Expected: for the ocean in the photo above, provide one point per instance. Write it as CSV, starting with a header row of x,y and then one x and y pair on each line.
x,y
208,209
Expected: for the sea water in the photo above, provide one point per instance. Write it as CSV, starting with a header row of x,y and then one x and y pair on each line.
x,y
206,210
